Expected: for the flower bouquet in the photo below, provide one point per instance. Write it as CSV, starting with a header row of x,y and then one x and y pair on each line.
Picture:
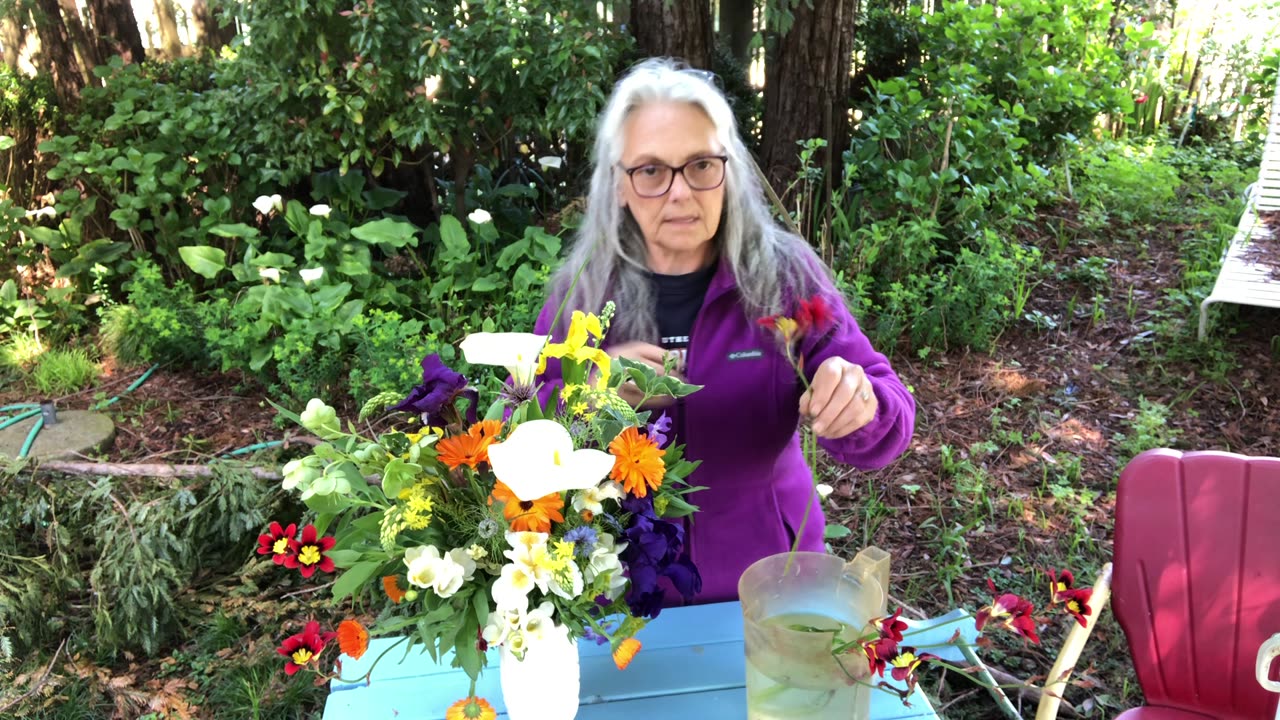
x,y
528,518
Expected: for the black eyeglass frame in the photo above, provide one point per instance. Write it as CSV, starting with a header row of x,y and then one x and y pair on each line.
x,y
724,172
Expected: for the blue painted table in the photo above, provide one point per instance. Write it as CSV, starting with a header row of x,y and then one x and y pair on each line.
x,y
692,665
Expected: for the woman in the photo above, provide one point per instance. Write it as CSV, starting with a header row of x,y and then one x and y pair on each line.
x,y
677,233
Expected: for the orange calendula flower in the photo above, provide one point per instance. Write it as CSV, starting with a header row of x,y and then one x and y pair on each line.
x,y
392,586
625,652
637,462
472,708
485,429
528,516
459,450
353,639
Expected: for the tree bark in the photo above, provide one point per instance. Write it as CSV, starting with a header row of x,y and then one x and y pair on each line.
x,y
167,19
85,49
57,54
209,34
674,28
117,30
806,86
12,37
737,27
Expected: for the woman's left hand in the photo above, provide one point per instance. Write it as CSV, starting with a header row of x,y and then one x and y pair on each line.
x,y
839,400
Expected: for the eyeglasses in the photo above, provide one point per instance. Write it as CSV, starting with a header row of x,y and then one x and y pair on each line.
x,y
703,173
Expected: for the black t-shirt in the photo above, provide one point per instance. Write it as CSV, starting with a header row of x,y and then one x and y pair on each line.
x,y
679,298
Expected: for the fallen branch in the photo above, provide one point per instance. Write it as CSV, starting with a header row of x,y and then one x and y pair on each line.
x,y
1026,692
32,690
157,470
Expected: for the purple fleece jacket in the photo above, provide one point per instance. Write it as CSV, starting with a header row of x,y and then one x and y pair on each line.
x,y
743,425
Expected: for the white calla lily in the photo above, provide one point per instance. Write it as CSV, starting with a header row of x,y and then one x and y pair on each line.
x,y
517,352
320,210
266,203
538,459
480,216
310,275
550,162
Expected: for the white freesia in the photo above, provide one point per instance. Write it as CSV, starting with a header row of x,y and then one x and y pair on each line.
x,y
310,275
424,565
538,623
320,210
538,459
517,644
266,203
462,558
517,352
592,497
549,162
571,575
604,561
529,553
448,577
480,216
272,274
511,589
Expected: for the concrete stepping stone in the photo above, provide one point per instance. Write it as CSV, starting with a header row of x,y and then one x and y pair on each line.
x,y
77,432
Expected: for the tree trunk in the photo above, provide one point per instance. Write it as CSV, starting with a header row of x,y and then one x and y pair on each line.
x,y
167,19
57,54
737,27
12,38
117,30
674,28
209,34
85,50
806,86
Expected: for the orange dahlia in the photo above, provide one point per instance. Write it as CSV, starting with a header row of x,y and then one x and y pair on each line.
x,y
637,462
625,652
471,708
353,639
528,516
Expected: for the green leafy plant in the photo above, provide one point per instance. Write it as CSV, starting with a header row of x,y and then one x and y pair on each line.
x,y
60,372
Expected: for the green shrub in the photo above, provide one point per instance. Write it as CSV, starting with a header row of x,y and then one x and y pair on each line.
x,y
61,372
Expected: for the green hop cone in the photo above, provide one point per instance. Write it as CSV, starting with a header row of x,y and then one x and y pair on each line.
x,y
321,420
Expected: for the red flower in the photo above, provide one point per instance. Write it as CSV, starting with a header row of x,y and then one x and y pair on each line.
x,y
905,664
891,627
878,653
308,552
814,314
303,649
1059,585
276,542
1077,603
481,644
1141,99
1013,612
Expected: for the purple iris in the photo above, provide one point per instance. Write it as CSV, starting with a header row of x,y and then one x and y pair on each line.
x,y
439,389
654,551
657,430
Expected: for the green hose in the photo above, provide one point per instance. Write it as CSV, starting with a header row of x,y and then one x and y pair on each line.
x,y
252,448
20,406
31,437
131,388
19,418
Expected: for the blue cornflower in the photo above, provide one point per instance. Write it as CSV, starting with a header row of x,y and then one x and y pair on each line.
x,y
584,538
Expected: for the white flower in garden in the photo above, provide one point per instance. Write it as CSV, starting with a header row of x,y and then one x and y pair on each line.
x,y
592,497
431,85
538,459
266,203
824,490
462,558
480,216
310,275
549,162
272,274
42,212
538,623
321,419
517,352
320,210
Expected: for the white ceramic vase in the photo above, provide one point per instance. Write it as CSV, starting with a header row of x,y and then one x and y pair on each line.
x,y
545,684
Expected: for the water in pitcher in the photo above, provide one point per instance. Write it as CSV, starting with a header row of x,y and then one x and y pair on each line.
x,y
781,688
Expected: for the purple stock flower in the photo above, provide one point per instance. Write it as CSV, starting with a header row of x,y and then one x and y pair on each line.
x,y
657,430
439,389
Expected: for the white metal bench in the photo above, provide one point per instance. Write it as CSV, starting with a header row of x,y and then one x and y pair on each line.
x,y
1241,280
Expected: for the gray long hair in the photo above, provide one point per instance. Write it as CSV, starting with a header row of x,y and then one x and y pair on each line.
x,y
766,260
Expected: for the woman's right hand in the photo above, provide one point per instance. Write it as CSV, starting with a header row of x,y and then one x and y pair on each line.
x,y
651,355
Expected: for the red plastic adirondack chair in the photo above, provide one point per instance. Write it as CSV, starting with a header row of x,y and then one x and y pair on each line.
x,y
1196,583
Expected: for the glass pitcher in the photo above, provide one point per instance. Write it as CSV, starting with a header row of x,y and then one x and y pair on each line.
x,y
791,672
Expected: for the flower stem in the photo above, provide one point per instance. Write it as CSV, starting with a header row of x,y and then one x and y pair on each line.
x,y
365,677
